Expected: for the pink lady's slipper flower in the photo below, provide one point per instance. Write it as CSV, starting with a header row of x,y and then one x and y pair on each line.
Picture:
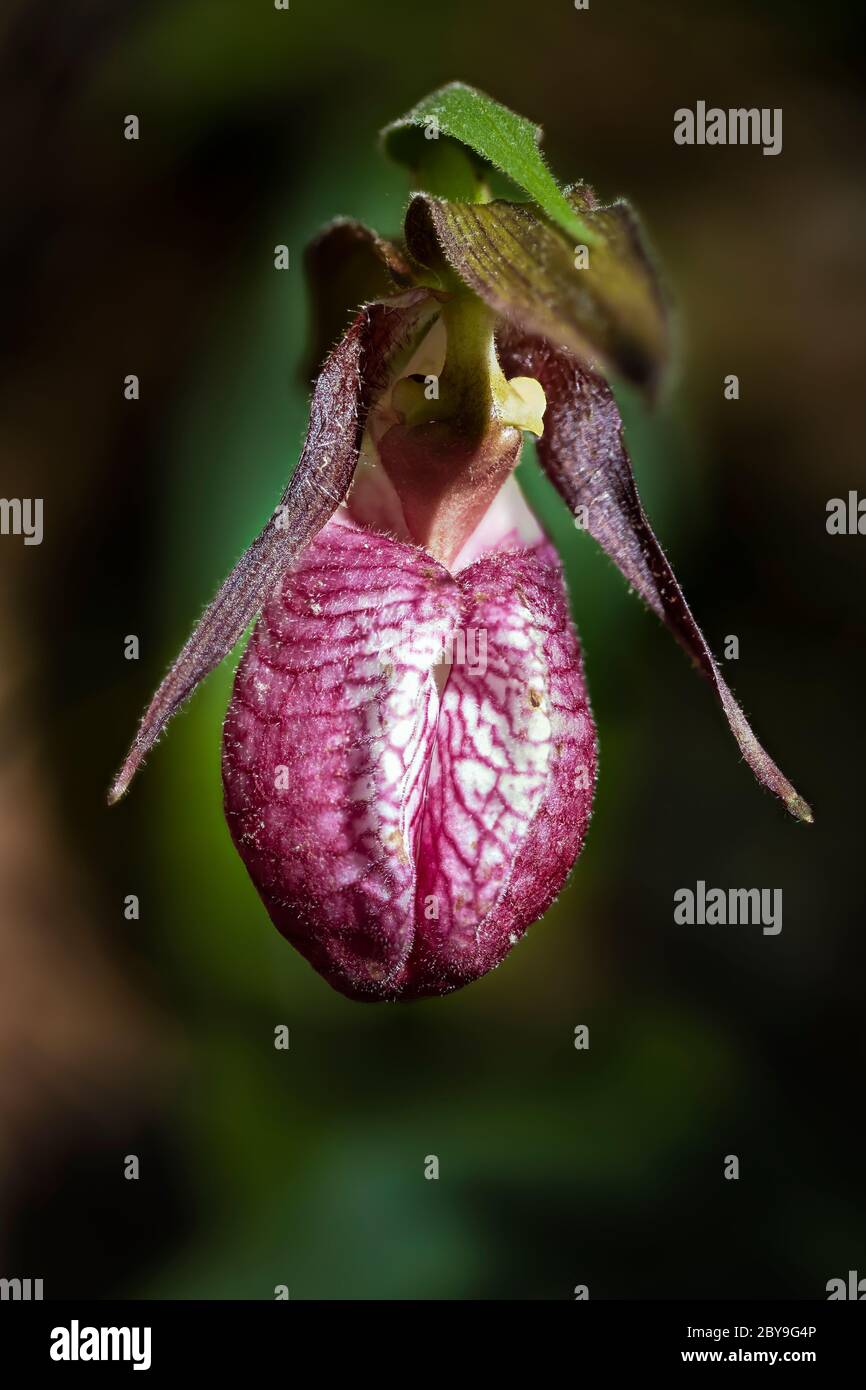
x,y
409,753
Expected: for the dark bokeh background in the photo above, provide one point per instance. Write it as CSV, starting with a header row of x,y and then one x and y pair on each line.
x,y
156,1037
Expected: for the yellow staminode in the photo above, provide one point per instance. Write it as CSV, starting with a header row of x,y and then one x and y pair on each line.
x,y
522,403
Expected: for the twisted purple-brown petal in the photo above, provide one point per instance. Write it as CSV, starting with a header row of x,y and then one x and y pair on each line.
x,y
584,454
350,379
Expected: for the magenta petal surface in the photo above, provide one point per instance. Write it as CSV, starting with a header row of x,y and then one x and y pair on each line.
x,y
409,759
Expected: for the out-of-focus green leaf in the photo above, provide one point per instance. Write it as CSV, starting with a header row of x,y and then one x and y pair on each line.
x,y
499,137
603,301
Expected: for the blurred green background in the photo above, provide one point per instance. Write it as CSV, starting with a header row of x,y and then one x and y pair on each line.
x,y
155,1037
